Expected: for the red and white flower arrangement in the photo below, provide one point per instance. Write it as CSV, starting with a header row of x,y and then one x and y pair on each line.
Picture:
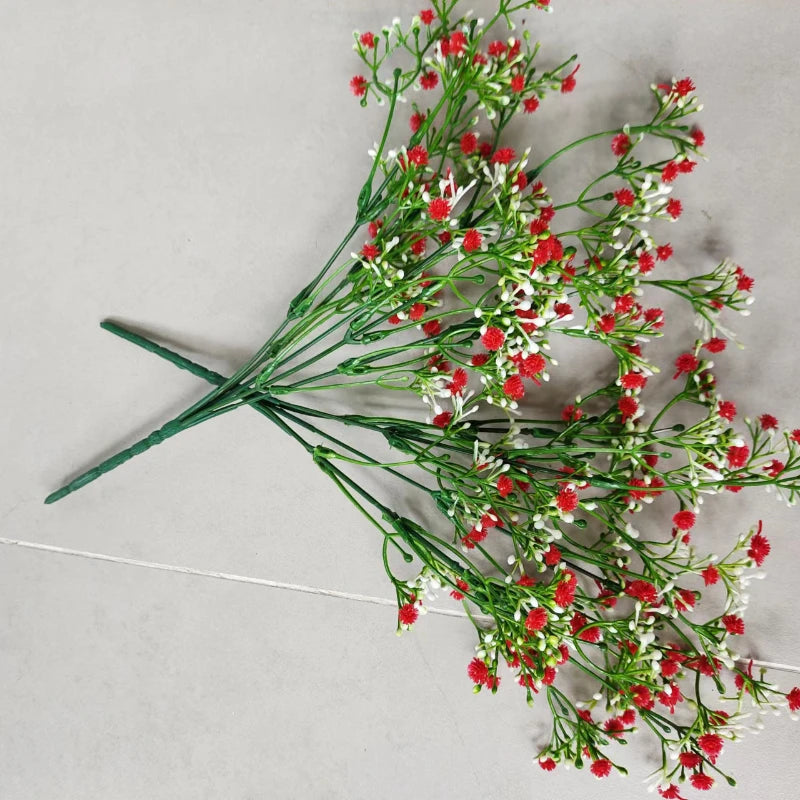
x,y
458,284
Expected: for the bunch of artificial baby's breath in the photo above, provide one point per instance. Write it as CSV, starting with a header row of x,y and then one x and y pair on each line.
x,y
459,276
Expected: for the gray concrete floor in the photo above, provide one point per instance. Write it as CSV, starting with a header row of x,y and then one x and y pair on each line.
x,y
180,165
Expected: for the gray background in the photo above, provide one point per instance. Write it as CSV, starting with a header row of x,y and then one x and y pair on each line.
x,y
182,165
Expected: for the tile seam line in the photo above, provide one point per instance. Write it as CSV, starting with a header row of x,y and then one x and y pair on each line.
x,y
293,587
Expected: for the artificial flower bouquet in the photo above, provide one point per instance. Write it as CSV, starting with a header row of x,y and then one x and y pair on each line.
x,y
456,284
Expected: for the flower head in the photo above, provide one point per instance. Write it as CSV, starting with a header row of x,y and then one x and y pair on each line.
x,y
358,85
684,520
408,614
536,619
439,209
701,781
621,144
600,768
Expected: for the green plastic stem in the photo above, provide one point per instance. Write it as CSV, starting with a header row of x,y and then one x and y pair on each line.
x,y
156,437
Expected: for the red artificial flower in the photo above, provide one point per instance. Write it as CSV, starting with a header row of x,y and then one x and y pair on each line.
x,y
624,303
429,80
432,327
733,624
463,586
670,172
408,614
548,765
642,590
562,309
670,697
686,362
370,251
670,793
514,387
698,137
625,197
493,338
607,323
439,209
711,744
628,407
690,760
496,48
633,380
415,123
552,556
569,83
620,144
571,414
504,486
591,634
532,365
738,456
684,520
646,263
793,698
478,671
547,250
701,781
367,39
479,359
547,213
744,283
674,208
459,381
418,155
418,246
472,240
518,84
715,345
704,666
458,41
642,696
427,16
469,142
759,548
565,591
768,422
710,575
567,500
442,420
504,155
600,768
684,86
669,668
530,104
358,85
536,619
664,252
614,726
774,468
727,409
685,600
